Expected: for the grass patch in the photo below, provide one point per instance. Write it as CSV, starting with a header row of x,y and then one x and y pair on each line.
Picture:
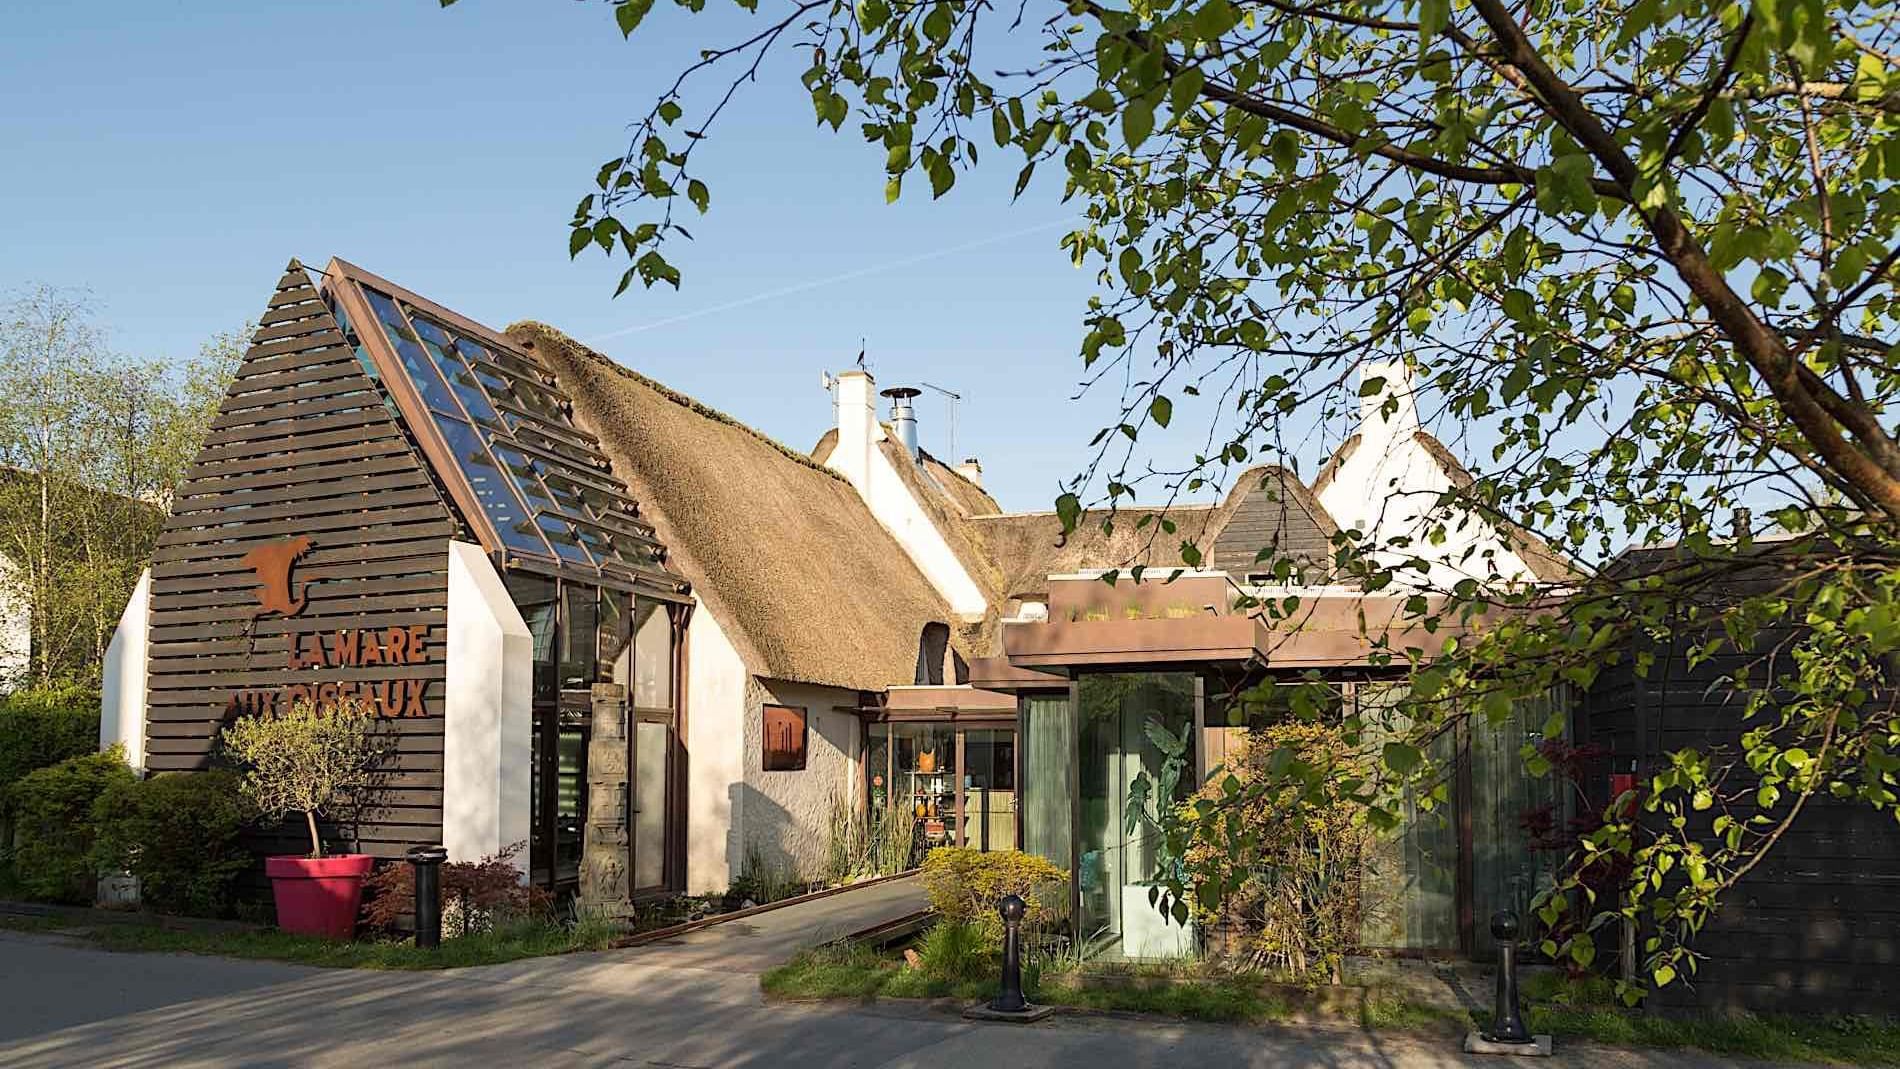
x,y
1573,1011
528,939
957,971
1230,999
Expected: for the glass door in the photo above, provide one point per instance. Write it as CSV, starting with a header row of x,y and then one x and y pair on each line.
x,y
1116,863
989,789
652,694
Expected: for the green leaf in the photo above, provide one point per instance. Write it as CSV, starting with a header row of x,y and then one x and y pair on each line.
x,y
629,14
1138,121
1401,758
580,238
1068,511
1161,410
1663,975
696,192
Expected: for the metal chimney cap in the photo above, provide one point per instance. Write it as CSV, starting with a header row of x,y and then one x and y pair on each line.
x,y
900,393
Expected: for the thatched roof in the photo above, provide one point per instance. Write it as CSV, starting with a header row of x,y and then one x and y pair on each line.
x,y
800,575
1544,562
1267,505
968,496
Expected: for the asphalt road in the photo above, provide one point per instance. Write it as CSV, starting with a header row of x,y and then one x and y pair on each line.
x,y
685,1005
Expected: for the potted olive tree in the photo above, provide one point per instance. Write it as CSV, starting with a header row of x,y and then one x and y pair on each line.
x,y
309,760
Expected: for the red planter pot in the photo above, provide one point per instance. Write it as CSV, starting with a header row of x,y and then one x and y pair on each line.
x,y
318,895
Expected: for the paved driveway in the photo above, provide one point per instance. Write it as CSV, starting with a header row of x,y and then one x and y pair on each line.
x,y
693,1003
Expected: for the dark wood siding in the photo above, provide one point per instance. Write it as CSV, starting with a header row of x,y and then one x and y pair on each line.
x,y
304,445
1815,927
1275,511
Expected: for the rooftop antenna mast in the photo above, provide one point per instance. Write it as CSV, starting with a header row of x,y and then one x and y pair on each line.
x,y
954,398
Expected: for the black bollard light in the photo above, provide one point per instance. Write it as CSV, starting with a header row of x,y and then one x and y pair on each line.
x,y
1010,999
427,863
1507,1025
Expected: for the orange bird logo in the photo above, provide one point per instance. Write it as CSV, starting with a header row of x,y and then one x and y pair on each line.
x,y
272,563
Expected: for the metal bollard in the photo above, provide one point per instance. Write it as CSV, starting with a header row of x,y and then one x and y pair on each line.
x,y
427,863
1508,1024
1010,999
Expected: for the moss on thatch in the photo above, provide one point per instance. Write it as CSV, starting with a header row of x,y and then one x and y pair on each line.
x,y
805,582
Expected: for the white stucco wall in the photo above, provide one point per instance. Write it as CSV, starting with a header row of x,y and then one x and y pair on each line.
x,y
488,713
1389,488
787,814
122,682
715,748
885,493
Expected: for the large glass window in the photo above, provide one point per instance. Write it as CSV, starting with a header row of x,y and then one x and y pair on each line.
x,y
614,662
1115,863
1049,751
652,655
534,598
652,794
579,635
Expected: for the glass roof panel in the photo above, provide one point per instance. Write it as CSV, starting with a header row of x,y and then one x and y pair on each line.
x,y
527,481
462,381
415,362
492,488
542,483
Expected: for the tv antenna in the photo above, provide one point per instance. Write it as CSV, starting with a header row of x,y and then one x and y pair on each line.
x,y
954,397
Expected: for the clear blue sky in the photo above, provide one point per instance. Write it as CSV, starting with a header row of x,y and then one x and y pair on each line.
x,y
171,157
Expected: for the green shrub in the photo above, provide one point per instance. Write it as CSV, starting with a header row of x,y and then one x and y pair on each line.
x,y
964,885
43,726
178,833
53,808
958,950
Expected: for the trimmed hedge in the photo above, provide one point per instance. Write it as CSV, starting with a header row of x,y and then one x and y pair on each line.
x,y
52,810
964,885
178,833
42,727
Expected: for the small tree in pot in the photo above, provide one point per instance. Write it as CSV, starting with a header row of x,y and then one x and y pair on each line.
x,y
309,760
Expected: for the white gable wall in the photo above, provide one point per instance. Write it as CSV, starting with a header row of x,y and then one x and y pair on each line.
x,y
735,810
788,814
857,457
122,677
715,747
1389,488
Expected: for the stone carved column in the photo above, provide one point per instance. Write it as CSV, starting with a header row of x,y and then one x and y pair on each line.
x,y
605,860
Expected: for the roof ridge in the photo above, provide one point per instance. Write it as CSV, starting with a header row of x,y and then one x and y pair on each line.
x,y
555,334
952,469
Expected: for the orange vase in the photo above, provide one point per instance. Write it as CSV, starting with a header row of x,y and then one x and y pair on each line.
x,y
927,761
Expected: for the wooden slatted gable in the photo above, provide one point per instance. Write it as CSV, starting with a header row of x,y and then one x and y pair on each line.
x,y
305,447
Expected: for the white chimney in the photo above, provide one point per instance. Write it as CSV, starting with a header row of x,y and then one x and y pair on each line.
x,y
971,470
858,430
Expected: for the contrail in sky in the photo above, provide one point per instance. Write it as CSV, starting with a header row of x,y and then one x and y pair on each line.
x,y
801,287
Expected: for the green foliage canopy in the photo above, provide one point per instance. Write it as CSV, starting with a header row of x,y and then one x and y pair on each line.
x,y
1643,248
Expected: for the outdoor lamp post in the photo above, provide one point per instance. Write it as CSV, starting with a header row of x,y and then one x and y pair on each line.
x,y
1010,999
1507,1034
427,863
1009,1003
1507,1024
